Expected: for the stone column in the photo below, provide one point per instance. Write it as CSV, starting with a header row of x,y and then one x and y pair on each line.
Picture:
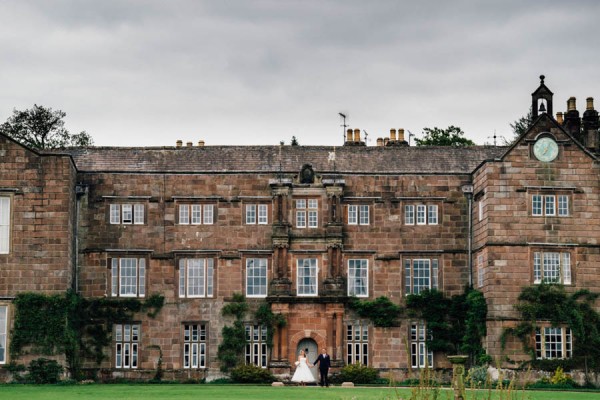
x,y
458,372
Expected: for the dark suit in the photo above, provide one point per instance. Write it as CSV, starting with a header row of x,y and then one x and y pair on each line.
x,y
324,364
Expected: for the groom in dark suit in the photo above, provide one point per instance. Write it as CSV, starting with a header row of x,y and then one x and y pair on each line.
x,y
324,364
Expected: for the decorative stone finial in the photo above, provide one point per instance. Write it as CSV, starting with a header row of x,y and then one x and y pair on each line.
x,y
542,77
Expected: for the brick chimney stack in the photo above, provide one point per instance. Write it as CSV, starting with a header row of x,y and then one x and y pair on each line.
x,y
572,122
590,125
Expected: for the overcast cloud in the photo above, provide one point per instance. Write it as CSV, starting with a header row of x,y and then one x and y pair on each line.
x,y
146,73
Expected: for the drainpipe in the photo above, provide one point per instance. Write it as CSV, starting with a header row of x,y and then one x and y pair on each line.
x,y
468,192
80,190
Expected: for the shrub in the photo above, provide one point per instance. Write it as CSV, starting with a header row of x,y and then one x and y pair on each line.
x,y
477,376
358,373
251,374
42,370
560,378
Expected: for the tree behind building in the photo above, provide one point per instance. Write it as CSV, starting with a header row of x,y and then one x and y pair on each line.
x,y
43,128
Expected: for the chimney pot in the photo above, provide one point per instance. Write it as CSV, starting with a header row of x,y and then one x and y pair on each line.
x,y
357,135
401,135
559,118
589,103
379,142
201,143
189,144
392,134
572,104
349,135
179,143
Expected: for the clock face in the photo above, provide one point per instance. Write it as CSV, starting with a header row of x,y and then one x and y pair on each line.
x,y
545,149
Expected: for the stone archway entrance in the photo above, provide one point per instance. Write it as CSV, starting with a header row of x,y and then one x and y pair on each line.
x,y
312,352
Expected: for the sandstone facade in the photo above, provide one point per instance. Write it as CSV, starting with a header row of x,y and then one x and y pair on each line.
x,y
297,228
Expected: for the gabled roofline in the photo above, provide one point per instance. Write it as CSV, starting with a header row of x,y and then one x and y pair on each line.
x,y
39,153
557,125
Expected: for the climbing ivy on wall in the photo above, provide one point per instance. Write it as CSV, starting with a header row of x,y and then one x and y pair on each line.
x,y
457,324
232,348
550,302
382,311
72,325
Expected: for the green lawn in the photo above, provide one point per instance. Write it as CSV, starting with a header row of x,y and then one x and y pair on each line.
x,y
216,392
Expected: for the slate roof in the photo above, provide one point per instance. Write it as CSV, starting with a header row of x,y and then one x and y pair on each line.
x,y
267,159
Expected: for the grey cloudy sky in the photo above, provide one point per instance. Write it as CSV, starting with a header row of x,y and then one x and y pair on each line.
x,y
258,72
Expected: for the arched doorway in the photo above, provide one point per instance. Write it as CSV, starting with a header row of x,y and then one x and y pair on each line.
x,y
312,352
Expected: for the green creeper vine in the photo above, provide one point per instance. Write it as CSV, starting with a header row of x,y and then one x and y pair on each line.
x,y
72,325
264,316
381,311
457,324
231,350
550,302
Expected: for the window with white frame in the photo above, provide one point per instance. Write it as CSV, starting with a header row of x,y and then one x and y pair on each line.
x,y
358,214
4,224
194,346
257,214
196,277
420,274
196,214
358,277
553,343
307,213
552,267
307,277
127,339
3,333
127,214
357,344
128,277
420,357
256,277
421,214
256,345
550,205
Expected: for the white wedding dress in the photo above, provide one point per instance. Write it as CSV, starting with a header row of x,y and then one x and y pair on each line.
x,y
303,373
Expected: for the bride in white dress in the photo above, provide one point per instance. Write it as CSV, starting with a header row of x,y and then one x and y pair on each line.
x,y
303,373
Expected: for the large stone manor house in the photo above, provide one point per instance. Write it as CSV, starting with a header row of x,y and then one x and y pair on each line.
x,y
303,228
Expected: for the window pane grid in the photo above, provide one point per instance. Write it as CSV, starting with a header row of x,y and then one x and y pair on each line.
x,y
262,214
127,214
357,345
352,215
127,337
307,276
3,330
208,214
409,215
184,214
358,278
194,349
196,277
256,346
364,215
250,214
563,206
550,205
256,277
420,357
196,214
